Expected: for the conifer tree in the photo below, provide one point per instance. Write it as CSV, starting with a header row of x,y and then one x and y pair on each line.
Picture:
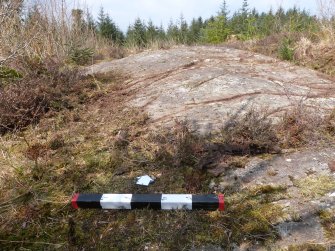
x,y
224,10
183,30
136,33
172,31
108,29
194,33
245,8
216,31
90,22
151,31
161,33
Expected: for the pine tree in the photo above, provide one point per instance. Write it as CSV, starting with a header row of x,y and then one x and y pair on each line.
x,y
172,31
216,31
161,33
245,8
183,30
108,29
242,23
266,23
101,17
91,25
151,31
136,33
224,10
194,33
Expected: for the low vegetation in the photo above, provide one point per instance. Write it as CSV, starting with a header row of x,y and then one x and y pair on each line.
x,y
328,221
83,149
41,88
303,125
251,133
56,138
315,186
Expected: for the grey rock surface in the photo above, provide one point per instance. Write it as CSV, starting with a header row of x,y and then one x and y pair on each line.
x,y
204,84
301,173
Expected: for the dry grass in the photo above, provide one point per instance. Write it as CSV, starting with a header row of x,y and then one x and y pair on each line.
x,y
315,186
327,218
51,31
317,55
95,149
101,147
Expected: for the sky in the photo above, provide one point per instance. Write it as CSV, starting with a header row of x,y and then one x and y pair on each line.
x,y
124,12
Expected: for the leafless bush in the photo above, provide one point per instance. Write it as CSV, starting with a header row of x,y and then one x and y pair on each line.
x,y
330,123
250,133
21,106
44,87
303,126
180,146
9,23
327,12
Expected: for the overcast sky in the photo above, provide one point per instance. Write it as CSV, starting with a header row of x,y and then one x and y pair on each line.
x,y
124,12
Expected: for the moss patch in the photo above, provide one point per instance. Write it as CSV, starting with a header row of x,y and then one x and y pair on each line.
x,y
307,247
315,186
9,73
255,214
327,218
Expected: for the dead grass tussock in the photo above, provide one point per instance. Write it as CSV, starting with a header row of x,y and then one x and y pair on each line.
x,y
317,55
311,49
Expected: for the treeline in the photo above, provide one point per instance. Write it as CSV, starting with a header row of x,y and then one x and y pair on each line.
x,y
141,33
248,23
244,24
50,29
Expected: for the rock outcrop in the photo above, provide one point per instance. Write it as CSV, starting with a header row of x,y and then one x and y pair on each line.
x,y
206,84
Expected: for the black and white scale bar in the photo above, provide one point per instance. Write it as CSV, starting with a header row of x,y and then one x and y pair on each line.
x,y
210,202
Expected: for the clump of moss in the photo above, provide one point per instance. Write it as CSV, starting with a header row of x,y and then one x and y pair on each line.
x,y
260,220
315,186
327,218
7,73
307,247
269,193
254,214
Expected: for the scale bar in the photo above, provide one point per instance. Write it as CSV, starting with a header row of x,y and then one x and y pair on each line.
x,y
209,202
